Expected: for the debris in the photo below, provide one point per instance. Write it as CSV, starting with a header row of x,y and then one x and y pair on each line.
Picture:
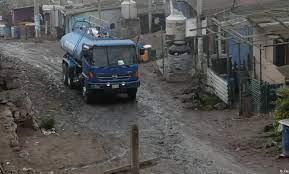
x,y
48,132
11,84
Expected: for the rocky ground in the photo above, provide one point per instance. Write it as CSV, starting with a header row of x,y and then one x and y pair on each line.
x,y
93,138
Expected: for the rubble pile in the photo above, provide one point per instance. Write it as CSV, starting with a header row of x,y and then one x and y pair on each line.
x,y
15,105
197,97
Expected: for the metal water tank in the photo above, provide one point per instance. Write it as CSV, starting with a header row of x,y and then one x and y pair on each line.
x,y
128,9
176,26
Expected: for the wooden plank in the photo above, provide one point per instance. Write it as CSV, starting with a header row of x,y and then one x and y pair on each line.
x,y
125,169
219,86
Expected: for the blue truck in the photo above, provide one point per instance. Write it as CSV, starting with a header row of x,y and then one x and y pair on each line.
x,y
96,62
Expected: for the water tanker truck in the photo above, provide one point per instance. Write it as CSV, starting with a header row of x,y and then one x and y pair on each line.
x,y
96,62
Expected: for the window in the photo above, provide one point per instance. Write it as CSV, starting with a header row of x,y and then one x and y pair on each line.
x,y
281,54
99,57
114,56
122,53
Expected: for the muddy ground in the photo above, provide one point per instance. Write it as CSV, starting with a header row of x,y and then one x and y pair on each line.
x,y
93,138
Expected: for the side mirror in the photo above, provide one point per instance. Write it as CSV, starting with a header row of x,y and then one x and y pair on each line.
x,y
142,51
87,52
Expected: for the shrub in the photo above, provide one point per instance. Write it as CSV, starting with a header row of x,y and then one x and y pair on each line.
x,y
47,123
282,106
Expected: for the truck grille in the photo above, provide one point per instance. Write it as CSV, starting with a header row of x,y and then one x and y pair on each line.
x,y
114,78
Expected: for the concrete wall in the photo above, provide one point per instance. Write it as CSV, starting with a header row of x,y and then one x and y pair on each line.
x,y
270,72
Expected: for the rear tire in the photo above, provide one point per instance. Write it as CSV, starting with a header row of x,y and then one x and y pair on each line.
x,y
64,72
132,93
70,82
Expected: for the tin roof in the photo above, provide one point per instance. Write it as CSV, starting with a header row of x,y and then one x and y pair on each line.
x,y
213,6
77,9
113,42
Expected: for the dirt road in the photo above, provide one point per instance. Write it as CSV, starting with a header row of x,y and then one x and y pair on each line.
x,y
92,138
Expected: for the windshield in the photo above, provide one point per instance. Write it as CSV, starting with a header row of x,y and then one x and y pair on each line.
x,y
114,56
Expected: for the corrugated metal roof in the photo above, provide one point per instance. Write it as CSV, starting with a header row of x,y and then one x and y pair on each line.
x,y
213,6
107,4
113,42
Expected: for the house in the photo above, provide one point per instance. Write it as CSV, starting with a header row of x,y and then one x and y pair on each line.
x,y
110,12
23,14
270,36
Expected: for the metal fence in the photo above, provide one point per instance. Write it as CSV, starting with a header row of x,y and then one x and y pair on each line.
x,y
219,86
263,96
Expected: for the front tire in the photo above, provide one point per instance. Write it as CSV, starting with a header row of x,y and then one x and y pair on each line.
x,y
132,93
86,94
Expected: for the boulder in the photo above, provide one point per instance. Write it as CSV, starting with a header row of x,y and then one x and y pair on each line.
x,y
8,127
11,84
220,106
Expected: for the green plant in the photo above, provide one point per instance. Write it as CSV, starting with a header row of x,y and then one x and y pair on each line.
x,y
282,106
47,123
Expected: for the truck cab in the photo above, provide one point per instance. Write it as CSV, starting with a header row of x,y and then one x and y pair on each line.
x,y
110,65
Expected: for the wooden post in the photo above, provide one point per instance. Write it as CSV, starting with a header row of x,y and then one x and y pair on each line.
x,y
199,36
99,9
150,15
36,18
163,53
134,150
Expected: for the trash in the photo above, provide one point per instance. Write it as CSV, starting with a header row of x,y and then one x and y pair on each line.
x,y
48,132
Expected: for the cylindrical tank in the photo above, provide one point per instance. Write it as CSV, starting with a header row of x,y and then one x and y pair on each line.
x,y
176,26
128,9
72,43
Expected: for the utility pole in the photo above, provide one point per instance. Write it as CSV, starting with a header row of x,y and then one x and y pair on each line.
x,y
36,19
99,9
150,15
199,66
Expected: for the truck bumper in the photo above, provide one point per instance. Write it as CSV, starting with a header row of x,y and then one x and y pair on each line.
x,y
113,86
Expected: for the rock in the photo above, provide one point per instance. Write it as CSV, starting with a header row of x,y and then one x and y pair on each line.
x,y
3,101
12,84
220,106
27,104
187,91
8,127
208,108
189,106
23,154
16,115
187,98
27,171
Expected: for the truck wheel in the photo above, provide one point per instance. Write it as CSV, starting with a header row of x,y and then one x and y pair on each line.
x,y
86,95
132,93
64,72
70,82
